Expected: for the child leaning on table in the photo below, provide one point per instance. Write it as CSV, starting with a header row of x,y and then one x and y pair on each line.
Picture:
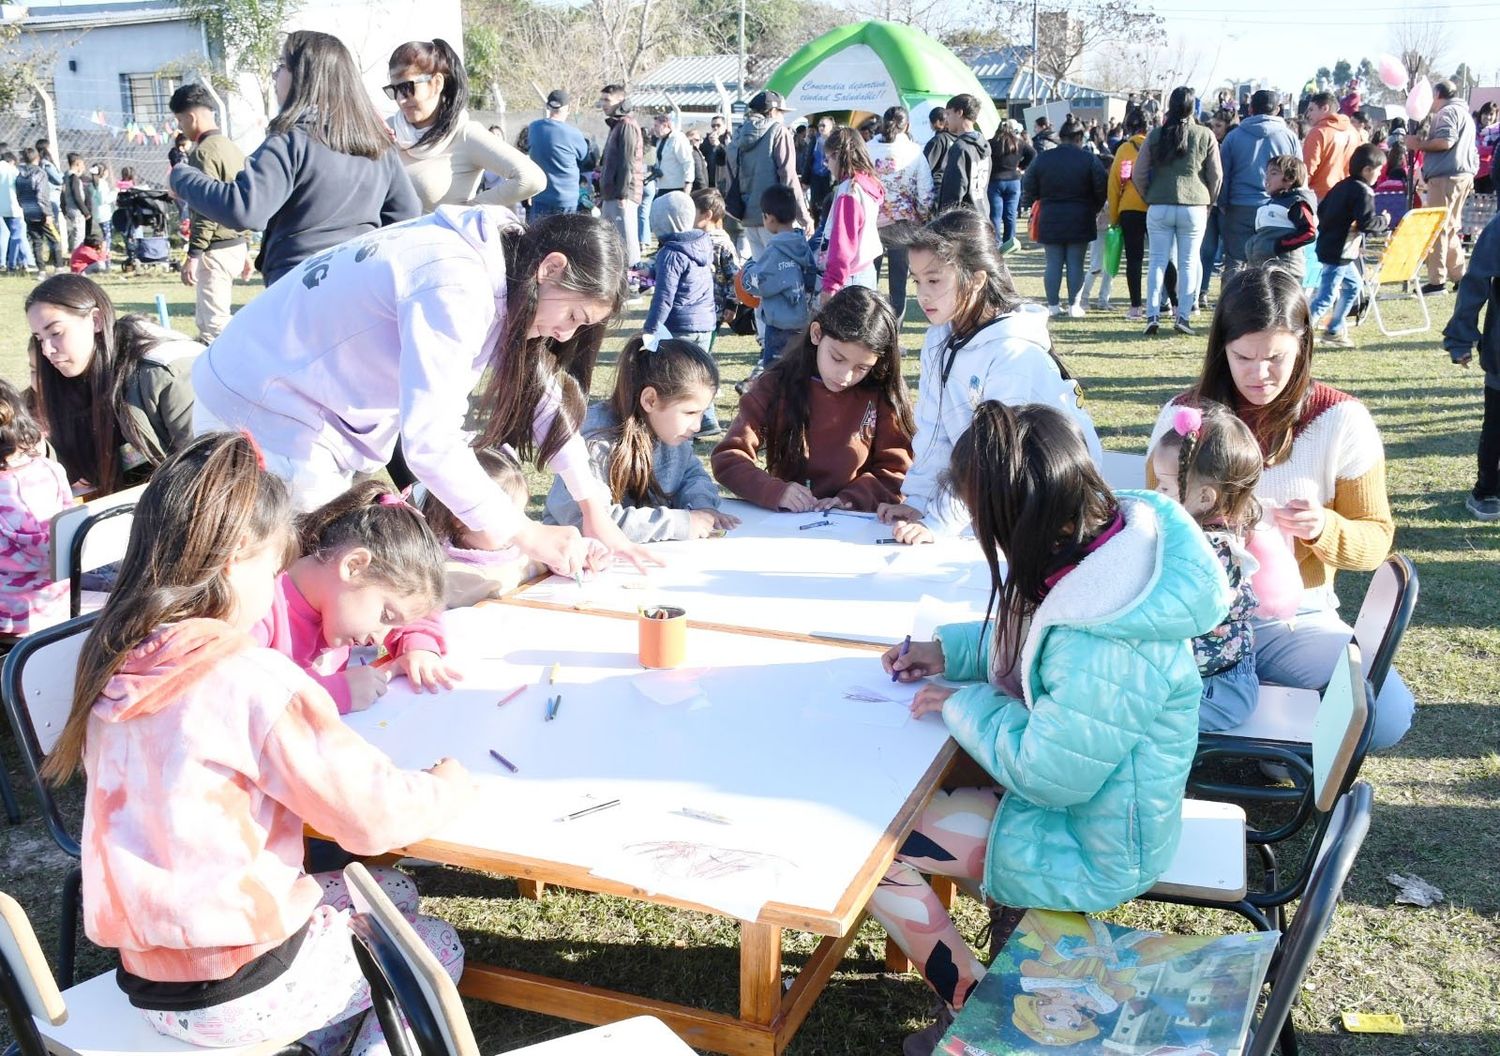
x,y
640,444
32,489
472,574
1083,695
205,756
370,574
832,416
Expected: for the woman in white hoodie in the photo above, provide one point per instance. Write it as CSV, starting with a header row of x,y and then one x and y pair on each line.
x,y
385,337
909,192
445,153
984,344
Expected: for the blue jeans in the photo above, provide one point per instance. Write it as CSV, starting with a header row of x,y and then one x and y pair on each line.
x,y
1229,696
773,342
1005,204
15,251
1210,252
1338,287
1059,254
1174,231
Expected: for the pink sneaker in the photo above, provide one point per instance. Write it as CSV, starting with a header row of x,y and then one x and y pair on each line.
x,y
1136,314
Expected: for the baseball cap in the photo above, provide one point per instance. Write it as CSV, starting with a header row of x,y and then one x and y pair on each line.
x,y
557,99
765,102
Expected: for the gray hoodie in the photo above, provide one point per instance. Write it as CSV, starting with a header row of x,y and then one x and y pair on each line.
x,y
779,277
763,155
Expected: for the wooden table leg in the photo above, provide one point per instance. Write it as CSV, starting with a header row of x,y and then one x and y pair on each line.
x,y
895,960
760,972
532,889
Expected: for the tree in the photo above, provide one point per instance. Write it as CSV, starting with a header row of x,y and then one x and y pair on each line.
x,y
974,38
247,36
1465,78
1066,34
1343,73
1420,43
484,59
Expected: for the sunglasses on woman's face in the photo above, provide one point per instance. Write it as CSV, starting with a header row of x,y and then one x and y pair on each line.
x,y
405,89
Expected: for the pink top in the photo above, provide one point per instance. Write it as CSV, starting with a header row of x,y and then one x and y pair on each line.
x,y
295,629
853,236
31,492
205,756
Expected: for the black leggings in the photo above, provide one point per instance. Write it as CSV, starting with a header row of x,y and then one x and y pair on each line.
x,y
1488,484
1133,230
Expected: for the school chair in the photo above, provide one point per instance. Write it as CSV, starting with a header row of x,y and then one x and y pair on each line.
x,y
90,1019
1399,262
1284,715
1122,470
36,686
1210,866
103,526
407,980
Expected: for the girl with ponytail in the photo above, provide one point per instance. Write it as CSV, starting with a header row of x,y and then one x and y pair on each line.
x,y
641,445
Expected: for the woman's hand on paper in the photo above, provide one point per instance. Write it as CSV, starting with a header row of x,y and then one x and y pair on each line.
x,y
930,699
920,661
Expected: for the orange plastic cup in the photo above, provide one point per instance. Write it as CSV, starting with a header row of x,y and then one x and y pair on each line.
x,y
663,636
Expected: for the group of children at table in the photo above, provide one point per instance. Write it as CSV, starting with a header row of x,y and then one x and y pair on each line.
x,y
206,711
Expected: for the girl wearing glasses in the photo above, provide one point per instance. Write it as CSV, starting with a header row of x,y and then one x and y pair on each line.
x,y
446,153
327,171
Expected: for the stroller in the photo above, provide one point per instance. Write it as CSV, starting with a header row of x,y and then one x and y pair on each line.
x,y
142,216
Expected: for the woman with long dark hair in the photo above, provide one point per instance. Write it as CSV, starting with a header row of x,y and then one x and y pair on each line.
x,y
445,152
1177,174
385,338
114,393
1012,153
327,171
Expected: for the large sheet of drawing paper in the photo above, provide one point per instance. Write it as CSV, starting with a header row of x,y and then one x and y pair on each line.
x,y
789,572
804,750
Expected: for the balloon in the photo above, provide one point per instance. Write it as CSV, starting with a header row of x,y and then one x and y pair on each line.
x,y
1392,72
1419,99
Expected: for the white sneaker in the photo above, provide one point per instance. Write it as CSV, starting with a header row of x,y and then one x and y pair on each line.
x,y
1054,309
1076,311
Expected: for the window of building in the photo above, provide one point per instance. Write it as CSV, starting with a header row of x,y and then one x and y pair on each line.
x,y
144,96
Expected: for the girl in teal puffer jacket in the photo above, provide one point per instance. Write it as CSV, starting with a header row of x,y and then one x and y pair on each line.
x,y
1084,707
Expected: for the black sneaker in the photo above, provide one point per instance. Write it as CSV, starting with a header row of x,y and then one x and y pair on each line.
x,y
1152,326
1182,327
1429,288
924,1041
1484,509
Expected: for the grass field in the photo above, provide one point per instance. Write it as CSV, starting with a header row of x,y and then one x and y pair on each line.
x,y
1437,793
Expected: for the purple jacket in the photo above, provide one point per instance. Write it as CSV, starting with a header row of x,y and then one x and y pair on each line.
x,y
684,295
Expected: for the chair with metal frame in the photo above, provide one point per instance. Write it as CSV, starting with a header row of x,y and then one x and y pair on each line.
x,y
407,980
103,525
36,685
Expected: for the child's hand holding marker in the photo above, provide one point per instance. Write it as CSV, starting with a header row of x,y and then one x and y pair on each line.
x,y
797,498
367,684
913,664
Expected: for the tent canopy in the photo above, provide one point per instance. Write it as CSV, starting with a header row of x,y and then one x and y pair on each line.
x,y
865,67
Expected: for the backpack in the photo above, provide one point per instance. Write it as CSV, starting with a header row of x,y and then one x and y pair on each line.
x,y
734,194
700,169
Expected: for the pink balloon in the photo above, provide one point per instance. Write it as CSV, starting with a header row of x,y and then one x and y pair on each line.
x,y
1419,99
1392,72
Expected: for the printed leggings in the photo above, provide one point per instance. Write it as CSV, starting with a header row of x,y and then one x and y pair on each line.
x,y
322,992
949,839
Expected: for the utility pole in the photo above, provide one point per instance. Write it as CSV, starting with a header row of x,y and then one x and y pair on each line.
x,y
1035,19
741,96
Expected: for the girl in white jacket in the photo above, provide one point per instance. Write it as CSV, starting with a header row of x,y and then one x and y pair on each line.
x,y
983,345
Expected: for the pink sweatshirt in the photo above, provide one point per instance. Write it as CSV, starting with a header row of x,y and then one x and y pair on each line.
x,y
295,629
31,492
205,756
852,229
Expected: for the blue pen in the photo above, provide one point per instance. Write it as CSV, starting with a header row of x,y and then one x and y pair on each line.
x,y
905,648
553,703
813,524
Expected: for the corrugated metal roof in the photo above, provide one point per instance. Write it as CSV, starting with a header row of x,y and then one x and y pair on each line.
x,y
83,16
696,70
687,99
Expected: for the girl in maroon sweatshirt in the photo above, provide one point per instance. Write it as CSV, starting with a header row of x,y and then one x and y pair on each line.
x,y
832,416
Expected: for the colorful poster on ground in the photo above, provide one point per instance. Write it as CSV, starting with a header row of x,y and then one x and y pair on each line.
x,y
1070,984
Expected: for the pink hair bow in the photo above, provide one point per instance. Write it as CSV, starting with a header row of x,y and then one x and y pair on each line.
x,y
1187,421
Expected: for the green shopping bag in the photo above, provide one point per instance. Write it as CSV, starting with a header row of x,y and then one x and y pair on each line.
x,y
1114,242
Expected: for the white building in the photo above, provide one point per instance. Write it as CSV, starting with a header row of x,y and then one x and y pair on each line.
x,y
118,62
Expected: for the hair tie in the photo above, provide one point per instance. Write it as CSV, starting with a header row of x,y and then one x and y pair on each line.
x,y
391,498
1187,422
260,457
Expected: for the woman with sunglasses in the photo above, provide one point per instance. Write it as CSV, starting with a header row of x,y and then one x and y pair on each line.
x,y
445,152
327,171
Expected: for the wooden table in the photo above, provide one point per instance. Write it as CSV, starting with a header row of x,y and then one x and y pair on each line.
x,y
809,778
787,575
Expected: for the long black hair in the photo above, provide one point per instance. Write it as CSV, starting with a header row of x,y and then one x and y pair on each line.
x,y
893,122
522,368
436,56
87,418
1171,140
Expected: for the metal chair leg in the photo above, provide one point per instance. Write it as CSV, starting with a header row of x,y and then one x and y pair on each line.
x,y
8,794
67,926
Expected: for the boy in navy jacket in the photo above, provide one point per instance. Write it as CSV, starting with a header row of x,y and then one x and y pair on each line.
x,y
1345,216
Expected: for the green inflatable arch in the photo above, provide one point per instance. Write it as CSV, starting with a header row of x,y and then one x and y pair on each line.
x,y
865,67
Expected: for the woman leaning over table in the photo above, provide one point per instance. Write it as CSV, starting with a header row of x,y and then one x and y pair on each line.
x,y
1324,477
445,152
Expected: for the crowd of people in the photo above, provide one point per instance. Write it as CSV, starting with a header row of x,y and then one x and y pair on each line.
x,y
407,305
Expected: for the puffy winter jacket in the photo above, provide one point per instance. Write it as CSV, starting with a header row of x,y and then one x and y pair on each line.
x,y
684,296
1072,186
1095,758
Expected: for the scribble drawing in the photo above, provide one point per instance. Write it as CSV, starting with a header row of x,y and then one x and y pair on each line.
x,y
686,860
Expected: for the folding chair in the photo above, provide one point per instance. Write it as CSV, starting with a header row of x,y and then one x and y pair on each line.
x,y
91,1019
1210,865
1123,470
1400,260
103,525
36,685
1332,863
1284,715
406,979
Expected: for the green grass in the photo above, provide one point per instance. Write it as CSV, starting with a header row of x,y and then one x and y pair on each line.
x,y
1436,793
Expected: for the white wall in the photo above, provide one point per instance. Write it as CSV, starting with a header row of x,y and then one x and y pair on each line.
x,y
101,55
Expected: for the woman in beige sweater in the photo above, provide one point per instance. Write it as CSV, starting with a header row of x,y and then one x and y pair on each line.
x,y
446,153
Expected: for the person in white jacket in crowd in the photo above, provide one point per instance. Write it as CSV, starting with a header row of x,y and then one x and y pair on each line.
x,y
385,336
909,193
983,344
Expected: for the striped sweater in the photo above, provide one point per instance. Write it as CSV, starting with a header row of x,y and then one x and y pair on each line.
x,y
1338,461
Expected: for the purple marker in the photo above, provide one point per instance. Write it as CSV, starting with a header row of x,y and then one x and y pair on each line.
x,y
905,648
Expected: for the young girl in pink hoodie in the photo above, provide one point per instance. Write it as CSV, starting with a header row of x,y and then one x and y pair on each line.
x,y
851,233
205,755
371,573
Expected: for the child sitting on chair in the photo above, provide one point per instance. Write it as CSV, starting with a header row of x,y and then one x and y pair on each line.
x,y
32,489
